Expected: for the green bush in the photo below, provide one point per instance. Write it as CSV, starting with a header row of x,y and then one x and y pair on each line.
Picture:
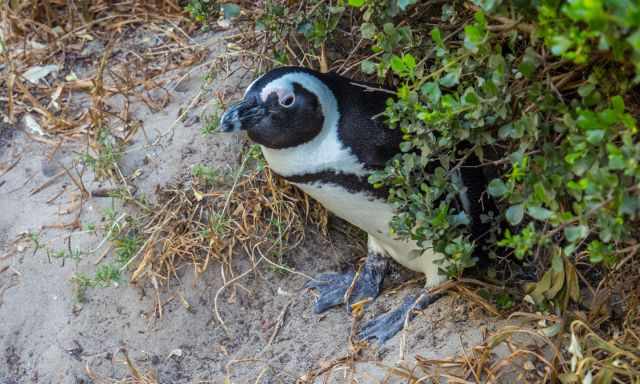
x,y
544,92
568,152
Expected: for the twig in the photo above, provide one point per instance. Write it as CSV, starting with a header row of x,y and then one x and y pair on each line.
x,y
278,326
372,89
47,183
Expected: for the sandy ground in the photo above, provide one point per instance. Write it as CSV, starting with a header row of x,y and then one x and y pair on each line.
x,y
47,336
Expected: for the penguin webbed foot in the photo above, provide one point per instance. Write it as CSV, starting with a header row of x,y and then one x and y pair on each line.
x,y
387,325
333,287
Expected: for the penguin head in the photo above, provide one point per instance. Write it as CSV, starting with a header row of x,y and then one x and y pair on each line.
x,y
282,109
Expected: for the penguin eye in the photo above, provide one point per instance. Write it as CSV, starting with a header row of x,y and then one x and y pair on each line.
x,y
288,101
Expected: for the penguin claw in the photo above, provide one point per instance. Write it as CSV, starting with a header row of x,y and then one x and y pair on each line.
x,y
325,280
332,288
384,327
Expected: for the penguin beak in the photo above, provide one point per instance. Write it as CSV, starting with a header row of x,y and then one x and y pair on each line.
x,y
240,115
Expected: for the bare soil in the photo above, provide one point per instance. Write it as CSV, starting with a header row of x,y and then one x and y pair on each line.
x,y
48,336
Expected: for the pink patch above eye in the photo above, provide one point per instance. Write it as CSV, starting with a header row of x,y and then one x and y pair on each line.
x,y
285,95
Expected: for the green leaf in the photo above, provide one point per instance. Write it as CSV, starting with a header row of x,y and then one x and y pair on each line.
x,y
470,97
450,79
406,146
539,213
515,213
432,91
507,130
634,40
305,28
356,3
588,120
487,5
460,218
560,44
529,63
368,30
403,4
230,10
368,67
616,162
409,62
474,36
595,136
586,90
576,232
436,36
618,103
497,188
397,65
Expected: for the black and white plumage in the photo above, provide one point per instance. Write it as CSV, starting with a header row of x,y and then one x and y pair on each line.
x,y
318,132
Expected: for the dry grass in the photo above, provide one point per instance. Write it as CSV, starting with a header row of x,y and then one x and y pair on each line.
x,y
135,377
63,62
258,214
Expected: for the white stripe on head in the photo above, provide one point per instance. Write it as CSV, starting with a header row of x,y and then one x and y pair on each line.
x,y
251,86
325,152
278,86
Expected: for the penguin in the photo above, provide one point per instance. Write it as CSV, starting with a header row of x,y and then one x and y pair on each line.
x,y
319,131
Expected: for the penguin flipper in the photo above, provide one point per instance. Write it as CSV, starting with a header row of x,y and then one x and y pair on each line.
x,y
385,326
334,286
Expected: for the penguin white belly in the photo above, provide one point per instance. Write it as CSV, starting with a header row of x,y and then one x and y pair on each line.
x,y
373,216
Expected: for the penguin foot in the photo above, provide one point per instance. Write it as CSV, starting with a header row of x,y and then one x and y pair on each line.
x,y
385,326
334,286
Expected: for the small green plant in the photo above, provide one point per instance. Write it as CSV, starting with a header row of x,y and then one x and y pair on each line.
x,y
219,224
105,275
90,227
202,10
35,239
211,120
205,174
81,283
112,225
126,247
122,230
255,153
107,155
74,255
504,301
277,233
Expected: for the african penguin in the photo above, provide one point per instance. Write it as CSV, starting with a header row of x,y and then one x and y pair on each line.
x,y
318,131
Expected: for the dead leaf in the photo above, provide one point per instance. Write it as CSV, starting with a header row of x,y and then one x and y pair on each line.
x,y
32,124
37,73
